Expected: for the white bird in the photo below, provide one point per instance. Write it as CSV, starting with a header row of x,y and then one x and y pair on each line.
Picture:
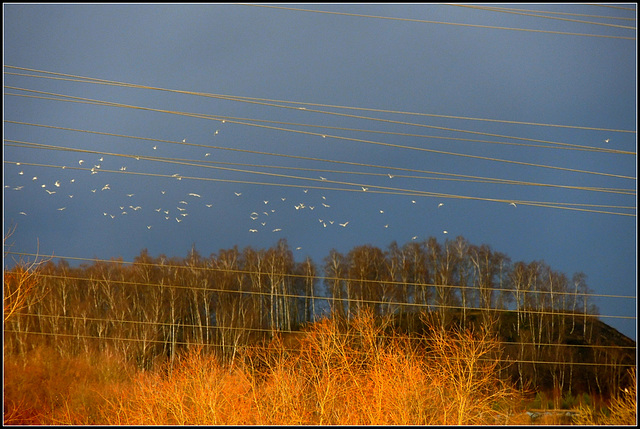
x,y
93,190
62,208
70,196
323,178
343,224
217,131
194,195
445,232
184,140
238,194
606,141
43,186
130,195
305,190
283,198
123,168
381,211
298,248
57,184
154,148
106,187
312,207
81,161
72,180
17,188
163,192
181,208
21,173
35,178
208,205
266,201
413,201
178,220
158,210
182,202
207,154
386,226
365,189
253,230
326,205
22,213
440,205
513,204
101,159
50,192
390,176
149,226
415,237
277,229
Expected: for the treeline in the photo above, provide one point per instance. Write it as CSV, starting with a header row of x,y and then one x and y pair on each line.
x,y
152,308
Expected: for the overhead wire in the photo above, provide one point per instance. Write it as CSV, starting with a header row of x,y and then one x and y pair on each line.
x,y
365,141
325,278
288,331
548,12
479,178
514,12
423,21
374,189
274,103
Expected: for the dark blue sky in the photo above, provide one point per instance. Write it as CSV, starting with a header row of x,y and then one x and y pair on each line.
x,y
444,109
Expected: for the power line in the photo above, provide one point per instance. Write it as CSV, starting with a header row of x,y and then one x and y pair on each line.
x,y
304,277
208,164
287,331
357,187
437,22
272,103
513,11
484,158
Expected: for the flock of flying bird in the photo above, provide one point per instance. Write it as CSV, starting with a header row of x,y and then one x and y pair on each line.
x,y
263,218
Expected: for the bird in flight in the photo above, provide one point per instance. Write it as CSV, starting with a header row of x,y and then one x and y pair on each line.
x,y
343,224
440,205
606,141
445,232
81,161
513,204
57,184
365,189
62,208
238,194
194,195
50,192
253,230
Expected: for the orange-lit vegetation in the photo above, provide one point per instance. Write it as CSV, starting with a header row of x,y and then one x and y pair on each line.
x,y
420,334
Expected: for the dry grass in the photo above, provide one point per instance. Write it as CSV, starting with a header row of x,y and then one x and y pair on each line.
x,y
338,373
